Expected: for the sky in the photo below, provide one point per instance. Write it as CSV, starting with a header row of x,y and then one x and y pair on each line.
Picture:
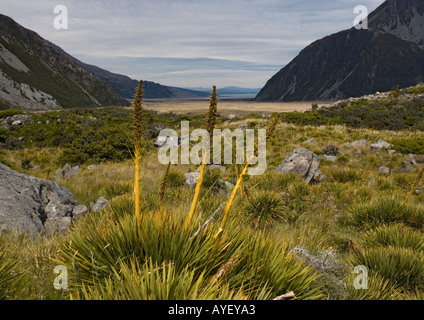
x,y
188,43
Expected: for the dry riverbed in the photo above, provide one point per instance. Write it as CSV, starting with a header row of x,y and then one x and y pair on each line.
x,y
227,107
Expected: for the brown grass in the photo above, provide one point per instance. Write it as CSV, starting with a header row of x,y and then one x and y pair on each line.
x,y
237,107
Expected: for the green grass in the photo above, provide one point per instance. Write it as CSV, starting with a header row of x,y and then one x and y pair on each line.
x,y
110,257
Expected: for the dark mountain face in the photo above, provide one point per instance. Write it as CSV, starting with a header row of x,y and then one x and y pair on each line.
x,y
36,74
126,86
357,62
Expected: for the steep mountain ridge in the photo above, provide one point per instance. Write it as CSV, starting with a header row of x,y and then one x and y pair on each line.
x,y
34,74
357,62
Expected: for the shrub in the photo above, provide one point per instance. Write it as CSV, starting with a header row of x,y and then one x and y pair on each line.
x,y
265,205
396,235
97,250
407,146
344,175
379,288
176,179
331,150
9,279
383,211
403,267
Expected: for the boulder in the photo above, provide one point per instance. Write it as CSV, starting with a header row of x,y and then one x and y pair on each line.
x,y
303,162
27,203
67,171
100,204
192,178
58,225
79,211
380,145
384,169
312,140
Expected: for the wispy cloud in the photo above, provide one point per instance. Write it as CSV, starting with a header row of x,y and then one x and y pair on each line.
x,y
188,42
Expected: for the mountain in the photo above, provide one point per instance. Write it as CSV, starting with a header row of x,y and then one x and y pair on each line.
x,y
229,90
355,62
126,86
36,74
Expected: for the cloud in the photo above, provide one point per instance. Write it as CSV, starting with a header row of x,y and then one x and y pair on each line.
x,y
247,37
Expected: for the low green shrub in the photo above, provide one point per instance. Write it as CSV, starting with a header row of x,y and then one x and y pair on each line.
x,y
395,235
383,211
266,206
403,267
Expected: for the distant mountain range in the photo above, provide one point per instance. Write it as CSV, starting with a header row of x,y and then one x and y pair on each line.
x,y
229,90
36,74
355,62
126,86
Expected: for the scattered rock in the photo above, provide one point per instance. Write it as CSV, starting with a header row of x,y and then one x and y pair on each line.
x,y
192,178
67,171
26,202
100,204
380,145
411,160
405,168
36,168
420,160
242,127
419,191
312,140
391,152
232,117
79,211
358,154
92,167
384,169
15,120
58,225
228,185
303,162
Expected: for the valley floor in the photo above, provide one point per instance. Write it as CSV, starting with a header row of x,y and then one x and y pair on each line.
x,y
227,107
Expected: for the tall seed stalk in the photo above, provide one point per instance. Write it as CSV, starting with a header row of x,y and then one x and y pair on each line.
x,y
420,175
163,187
270,131
138,137
211,123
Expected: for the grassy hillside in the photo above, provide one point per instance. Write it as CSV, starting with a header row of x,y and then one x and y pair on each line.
x,y
283,234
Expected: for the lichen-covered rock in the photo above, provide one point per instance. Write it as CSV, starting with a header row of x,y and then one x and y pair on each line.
x,y
26,202
303,162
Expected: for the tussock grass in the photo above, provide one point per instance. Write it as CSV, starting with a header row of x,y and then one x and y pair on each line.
x,y
383,211
105,247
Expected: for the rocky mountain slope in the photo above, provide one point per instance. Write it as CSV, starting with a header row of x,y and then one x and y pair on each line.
x,y
355,62
126,86
35,74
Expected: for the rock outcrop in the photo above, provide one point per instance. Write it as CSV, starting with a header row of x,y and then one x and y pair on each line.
x,y
303,162
31,205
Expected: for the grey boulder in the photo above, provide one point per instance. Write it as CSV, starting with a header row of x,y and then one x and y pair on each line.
x,y
27,203
303,162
